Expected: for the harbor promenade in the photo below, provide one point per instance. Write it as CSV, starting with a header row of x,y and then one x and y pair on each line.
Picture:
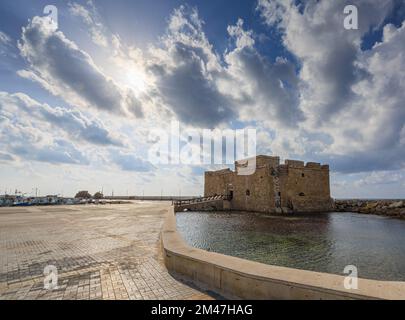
x,y
99,251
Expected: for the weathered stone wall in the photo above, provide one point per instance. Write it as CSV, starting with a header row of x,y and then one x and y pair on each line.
x,y
305,187
253,192
250,192
273,187
261,161
215,182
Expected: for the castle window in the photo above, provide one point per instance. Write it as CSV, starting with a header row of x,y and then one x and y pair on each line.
x,y
302,175
279,194
248,192
301,194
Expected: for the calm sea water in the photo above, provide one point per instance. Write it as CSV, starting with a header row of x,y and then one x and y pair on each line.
x,y
322,242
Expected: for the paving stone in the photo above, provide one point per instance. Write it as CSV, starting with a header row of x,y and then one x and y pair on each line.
x,y
100,252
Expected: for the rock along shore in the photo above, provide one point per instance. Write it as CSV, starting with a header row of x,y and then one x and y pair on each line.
x,y
391,208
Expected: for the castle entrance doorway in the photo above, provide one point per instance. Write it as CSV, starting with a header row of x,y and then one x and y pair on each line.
x,y
229,191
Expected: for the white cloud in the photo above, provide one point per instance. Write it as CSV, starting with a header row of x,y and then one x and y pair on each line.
x,y
90,17
184,70
73,122
332,103
263,90
7,48
203,89
381,178
131,162
65,70
350,96
5,42
20,138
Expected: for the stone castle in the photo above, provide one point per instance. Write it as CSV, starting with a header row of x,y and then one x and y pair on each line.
x,y
272,187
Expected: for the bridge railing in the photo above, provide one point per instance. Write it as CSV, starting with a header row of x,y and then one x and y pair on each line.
x,y
201,199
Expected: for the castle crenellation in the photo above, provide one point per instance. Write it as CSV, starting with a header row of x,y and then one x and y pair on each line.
x,y
294,186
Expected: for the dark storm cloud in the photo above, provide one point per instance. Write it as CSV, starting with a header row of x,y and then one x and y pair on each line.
x,y
186,88
274,85
384,159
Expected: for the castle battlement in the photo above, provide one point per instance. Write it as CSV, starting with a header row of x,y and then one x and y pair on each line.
x,y
219,172
291,186
274,161
294,163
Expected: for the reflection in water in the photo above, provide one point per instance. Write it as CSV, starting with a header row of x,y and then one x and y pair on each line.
x,y
319,242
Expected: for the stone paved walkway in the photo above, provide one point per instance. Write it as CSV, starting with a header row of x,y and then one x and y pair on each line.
x,y
101,252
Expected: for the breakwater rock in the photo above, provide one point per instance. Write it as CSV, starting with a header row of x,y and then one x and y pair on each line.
x,y
391,208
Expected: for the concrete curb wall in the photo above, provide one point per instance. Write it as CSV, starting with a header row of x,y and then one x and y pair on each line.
x,y
238,278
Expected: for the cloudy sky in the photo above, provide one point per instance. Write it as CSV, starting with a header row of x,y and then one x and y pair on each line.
x,y
78,103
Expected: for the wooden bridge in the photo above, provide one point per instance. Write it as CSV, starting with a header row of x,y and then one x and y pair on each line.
x,y
202,203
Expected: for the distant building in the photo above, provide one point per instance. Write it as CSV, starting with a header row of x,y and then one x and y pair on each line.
x,y
273,187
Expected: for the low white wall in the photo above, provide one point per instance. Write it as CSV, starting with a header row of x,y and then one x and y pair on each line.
x,y
238,278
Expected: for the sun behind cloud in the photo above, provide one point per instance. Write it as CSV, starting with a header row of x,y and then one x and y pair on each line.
x,y
136,80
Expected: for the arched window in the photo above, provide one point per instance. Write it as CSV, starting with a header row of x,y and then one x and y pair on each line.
x,y
301,194
248,192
